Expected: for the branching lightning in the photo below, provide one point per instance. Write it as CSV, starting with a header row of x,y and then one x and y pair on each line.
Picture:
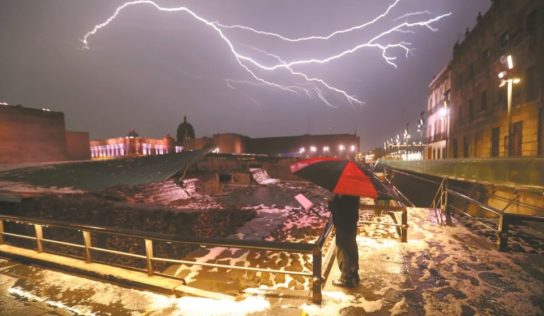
x,y
319,87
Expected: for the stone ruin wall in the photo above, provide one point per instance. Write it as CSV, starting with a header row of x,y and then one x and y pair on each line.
x,y
30,135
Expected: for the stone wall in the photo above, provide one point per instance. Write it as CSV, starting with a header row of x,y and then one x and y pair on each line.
x,y
77,145
31,135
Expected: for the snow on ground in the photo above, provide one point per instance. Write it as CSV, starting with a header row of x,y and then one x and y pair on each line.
x,y
285,221
440,270
23,188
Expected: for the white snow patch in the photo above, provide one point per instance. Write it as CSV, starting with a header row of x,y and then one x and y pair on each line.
x,y
195,306
20,187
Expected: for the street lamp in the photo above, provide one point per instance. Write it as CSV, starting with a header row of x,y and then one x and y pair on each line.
x,y
509,80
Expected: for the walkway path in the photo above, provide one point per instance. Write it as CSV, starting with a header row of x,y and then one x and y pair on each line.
x,y
440,271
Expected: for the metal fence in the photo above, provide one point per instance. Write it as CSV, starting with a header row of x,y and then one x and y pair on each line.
x,y
442,204
320,263
525,173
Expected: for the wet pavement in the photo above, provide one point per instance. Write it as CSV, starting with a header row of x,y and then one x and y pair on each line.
x,y
440,271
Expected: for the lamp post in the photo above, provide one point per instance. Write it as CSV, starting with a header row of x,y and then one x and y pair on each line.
x,y
508,80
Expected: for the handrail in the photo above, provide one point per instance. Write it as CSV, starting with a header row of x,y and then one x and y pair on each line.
x,y
504,218
517,203
480,204
216,242
304,248
326,232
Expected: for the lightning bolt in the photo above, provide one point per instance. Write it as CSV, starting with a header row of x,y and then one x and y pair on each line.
x,y
317,85
313,37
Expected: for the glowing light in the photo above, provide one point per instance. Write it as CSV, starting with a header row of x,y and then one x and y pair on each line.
x,y
302,150
341,148
352,148
516,80
313,149
319,87
510,62
326,149
443,112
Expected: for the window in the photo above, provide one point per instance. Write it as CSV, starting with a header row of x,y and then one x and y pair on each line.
x,y
531,23
483,101
517,137
505,39
465,147
486,56
501,97
477,141
495,136
454,149
530,84
540,136
471,110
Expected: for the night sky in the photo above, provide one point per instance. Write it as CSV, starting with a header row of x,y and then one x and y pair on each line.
x,y
148,69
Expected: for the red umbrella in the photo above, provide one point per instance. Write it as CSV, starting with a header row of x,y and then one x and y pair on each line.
x,y
341,177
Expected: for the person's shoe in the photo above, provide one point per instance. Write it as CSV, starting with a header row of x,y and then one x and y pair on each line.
x,y
356,279
343,283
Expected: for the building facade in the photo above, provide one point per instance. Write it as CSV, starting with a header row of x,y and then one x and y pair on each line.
x,y
29,135
482,124
437,131
132,145
335,145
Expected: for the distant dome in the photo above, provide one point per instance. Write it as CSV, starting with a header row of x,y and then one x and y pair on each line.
x,y
132,134
186,131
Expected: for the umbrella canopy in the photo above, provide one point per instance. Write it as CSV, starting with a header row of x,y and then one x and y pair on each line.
x,y
341,177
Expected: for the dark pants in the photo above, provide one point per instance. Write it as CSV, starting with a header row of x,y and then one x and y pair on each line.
x,y
347,252
345,213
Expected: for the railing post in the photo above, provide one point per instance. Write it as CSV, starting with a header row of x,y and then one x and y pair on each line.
x,y
149,256
445,207
502,233
404,227
317,279
1,232
87,244
39,237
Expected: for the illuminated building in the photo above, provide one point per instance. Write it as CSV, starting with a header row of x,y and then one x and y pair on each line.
x,y
30,135
438,108
336,145
507,40
132,145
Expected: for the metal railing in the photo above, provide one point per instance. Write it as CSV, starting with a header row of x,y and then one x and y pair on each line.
x,y
525,173
149,238
442,203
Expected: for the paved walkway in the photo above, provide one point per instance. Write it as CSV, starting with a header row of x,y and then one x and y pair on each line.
x,y
440,271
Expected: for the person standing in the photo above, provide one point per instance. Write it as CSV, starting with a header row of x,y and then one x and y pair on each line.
x,y
345,214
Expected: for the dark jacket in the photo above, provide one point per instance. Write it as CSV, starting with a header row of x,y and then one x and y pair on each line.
x,y
345,211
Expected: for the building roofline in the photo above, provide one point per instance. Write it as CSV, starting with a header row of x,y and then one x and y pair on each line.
x,y
440,74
